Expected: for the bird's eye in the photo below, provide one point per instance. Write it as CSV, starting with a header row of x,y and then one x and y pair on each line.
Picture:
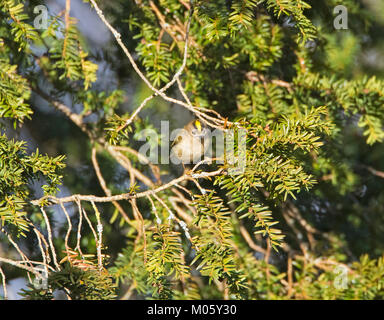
x,y
194,132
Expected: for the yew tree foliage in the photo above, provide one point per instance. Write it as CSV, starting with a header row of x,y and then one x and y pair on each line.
x,y
304,220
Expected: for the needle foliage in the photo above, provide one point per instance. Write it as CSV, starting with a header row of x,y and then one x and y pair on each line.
x,y
303,220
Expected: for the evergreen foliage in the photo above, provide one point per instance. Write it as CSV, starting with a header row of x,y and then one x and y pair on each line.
x,y
304,220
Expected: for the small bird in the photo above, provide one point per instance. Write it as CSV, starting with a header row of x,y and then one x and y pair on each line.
x,y
191,143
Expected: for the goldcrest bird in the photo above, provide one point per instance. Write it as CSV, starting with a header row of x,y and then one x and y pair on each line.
x,y
191,143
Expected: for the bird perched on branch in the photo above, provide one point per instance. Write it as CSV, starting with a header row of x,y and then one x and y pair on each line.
x,y
191,143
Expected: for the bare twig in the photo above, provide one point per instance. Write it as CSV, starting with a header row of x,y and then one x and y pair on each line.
x,y
78,246
290,276
53,251
105,188
158,220
4,284
20,265
14,244
74,117
168,85
375,172
100,237
127,196
128,293
44,254
247,237
143,159
185,216
171,216
161,91
69,229
90,225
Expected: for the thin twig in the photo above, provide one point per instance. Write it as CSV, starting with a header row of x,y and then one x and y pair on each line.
x,y
375,172
20,265
171,216
50,238
247,237
128,293
164,88
100,237
4,284
103,185
78,246
43,254
68,230
127,196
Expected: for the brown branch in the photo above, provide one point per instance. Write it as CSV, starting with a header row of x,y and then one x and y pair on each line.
x,y
105,188
128,293
126,196
187,203
4,284
294,213
155,169
74,117
161,91
289,275
126,164
168,28
291,223
50,241
19,265
375,172
247,237
185,216
67,22
141,231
